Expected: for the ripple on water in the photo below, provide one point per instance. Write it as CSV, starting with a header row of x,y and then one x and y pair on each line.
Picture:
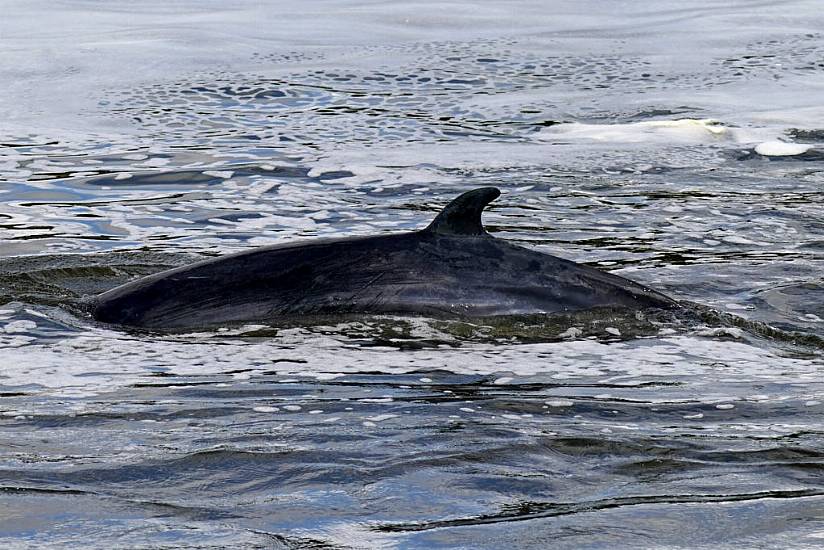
x,y
600,431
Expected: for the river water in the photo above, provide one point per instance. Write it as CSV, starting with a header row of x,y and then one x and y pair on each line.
x,y
679,145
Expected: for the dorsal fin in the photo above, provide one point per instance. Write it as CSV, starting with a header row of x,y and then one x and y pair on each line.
x,y
462,216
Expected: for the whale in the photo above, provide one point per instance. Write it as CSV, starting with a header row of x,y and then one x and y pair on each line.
x,y
452,268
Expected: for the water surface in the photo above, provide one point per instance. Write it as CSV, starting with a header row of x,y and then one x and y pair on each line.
x,y
679,146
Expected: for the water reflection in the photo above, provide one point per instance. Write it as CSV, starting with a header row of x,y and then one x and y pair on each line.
x,y
405,432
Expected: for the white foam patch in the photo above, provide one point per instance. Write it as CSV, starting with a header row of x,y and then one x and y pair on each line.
x,y
223,174
781,149
683,131
571,332
321,376
266,409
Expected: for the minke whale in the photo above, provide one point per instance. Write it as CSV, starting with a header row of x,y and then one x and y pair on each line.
x,y
452,268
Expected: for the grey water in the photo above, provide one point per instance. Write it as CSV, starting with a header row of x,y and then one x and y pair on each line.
x,y
677,144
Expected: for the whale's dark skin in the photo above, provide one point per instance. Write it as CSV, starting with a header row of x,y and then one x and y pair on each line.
x,y
452,268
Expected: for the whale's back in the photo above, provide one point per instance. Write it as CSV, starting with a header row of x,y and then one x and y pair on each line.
x,y
411,273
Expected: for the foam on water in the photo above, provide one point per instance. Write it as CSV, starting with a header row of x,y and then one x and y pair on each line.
x,y
679,131
781,149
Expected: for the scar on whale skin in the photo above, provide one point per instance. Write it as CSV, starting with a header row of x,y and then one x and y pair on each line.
x,y
451,268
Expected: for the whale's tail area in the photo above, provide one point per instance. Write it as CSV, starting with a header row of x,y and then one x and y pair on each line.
x,y
462,216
